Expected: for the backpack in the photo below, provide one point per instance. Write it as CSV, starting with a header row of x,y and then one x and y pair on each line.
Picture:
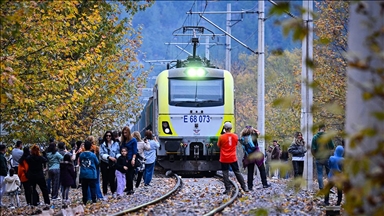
x,y
248,145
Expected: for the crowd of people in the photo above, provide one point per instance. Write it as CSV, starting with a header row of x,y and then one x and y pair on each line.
x,y
321,149
121,156
56,170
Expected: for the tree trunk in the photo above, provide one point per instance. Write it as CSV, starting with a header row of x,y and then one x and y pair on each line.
x,y
364,124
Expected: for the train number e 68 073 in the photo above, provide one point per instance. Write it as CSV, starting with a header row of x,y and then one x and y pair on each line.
x,y
197,118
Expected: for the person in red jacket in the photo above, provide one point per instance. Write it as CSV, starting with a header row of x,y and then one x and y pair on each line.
x,y
227,144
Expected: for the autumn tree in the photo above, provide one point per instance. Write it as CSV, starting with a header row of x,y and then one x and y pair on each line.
x,y
282,95
280,82
245,81
67,68
362,176
330,63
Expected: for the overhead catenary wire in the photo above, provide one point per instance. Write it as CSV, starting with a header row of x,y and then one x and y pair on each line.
x,y
189,15
189,42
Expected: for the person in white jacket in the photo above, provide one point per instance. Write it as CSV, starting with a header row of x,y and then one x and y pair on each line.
x,y
12,185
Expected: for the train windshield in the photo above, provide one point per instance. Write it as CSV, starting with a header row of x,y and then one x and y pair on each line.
x,y
196,93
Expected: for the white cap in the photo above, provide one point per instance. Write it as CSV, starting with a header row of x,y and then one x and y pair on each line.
x,y
227,125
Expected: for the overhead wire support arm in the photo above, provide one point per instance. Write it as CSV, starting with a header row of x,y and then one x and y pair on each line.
x,y
287,12
183,49
222,12
226,33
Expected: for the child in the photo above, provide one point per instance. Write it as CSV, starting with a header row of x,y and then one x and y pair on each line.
x,y
121,168
67,176
335,166
12,184
88,172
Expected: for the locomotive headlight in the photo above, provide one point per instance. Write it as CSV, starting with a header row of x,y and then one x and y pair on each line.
x,y
166,128
195,72
200,72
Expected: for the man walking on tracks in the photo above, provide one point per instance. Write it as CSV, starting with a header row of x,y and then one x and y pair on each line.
x,y
227,144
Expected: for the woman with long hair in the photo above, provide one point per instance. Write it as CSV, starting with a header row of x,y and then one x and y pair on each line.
x,y
35,173
141,146
54,159
129,142
298,150
109,149
150,157
253,156
67,176
22,173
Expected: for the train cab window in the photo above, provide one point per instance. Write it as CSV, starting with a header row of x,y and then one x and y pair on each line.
x,y
196,93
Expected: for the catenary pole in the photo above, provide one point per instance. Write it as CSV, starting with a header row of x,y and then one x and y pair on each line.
x,y
207,47
260,78
307,93
228,39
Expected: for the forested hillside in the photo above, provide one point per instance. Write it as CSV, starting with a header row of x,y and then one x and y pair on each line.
x,y
161,20
282,71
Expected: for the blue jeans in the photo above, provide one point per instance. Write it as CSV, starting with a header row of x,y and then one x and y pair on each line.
x,y
319,168
48,181
54,176
148,173
98,190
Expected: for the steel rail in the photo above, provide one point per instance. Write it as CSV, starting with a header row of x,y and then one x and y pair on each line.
x,y
233,198
177,187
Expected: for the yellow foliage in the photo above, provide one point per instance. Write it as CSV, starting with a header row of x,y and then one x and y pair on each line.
x,y
56,70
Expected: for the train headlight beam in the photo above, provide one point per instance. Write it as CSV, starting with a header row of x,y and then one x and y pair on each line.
x,y
195,72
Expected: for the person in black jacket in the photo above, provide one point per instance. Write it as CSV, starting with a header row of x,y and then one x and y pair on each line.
x,y
35,173
67,176
3,171
298,150
122,165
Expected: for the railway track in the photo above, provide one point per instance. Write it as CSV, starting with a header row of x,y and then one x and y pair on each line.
x,y
165,196
177,188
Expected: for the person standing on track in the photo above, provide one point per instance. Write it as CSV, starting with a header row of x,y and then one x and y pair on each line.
x,y
253,156
227,144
